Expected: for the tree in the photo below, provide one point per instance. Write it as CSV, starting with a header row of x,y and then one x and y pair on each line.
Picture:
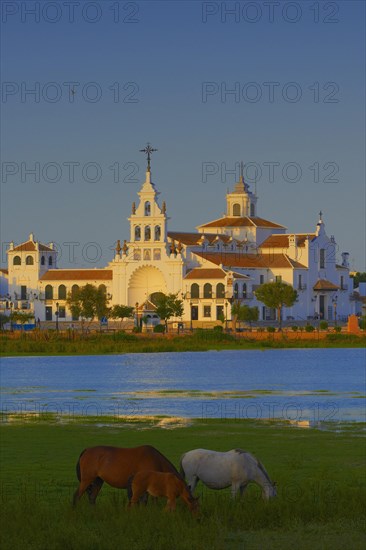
x,y
242,312
167,306
88,302
3,320
21,317
235,311
359,277
248,314
121,312
276,295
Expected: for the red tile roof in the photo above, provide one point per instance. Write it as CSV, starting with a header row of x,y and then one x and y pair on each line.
x,y
238,221
203,273
5,271
192,239
323,284
239,259
77,275
282,241
30,246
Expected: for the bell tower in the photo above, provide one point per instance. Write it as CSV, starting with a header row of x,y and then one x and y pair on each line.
x,y
241,201
148,221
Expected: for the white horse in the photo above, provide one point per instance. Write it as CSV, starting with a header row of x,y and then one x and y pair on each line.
x,y
235,468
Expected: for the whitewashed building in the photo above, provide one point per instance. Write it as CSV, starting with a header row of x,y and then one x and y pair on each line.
x,y
223,260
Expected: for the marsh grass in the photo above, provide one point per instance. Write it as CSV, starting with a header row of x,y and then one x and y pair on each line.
x,y
320,502
204,340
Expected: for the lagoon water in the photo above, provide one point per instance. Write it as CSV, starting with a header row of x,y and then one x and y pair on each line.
x,y
314,385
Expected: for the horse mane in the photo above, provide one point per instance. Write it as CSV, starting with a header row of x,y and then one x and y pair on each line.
x,y
259,464
263,470
167,459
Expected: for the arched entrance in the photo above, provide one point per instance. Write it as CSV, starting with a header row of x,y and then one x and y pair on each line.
x,y
143,282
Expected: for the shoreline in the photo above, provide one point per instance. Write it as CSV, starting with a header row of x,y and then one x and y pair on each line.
x,y
51,344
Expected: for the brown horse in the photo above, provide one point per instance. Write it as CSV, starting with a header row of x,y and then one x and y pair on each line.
x,y
161,484
115,466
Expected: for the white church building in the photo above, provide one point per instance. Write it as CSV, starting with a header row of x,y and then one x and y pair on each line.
x,y
222,261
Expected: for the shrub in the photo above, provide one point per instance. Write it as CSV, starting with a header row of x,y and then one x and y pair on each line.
x,y
136,329
362,323
271,329
309,328
294,328
323,325
159,328
337,329
260,329
218,328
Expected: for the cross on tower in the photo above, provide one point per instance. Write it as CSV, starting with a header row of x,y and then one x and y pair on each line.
x,y
320,215
148,150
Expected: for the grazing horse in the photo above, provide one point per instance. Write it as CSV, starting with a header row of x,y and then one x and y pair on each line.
x,y
161,484
115,466
235,468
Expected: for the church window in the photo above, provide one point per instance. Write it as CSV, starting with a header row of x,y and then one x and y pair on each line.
x,y
236,291
157,233
219,312
147,208
342,283
17,260
50,260
236,209
252,210
43,260
322,258
61,312
137,254
261,279
137,233
278,278
147,254
244,290
220,290
207,290
147,233
62,292
195,291
157,254
48,292
207,311
29,260
74,289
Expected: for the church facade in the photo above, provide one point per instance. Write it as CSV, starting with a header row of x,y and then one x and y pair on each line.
x,y
223,261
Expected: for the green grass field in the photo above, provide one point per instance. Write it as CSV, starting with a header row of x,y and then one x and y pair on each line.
x,y
51,343
320,476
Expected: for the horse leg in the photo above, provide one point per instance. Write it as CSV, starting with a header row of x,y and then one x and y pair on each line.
x,y
93,489
83,485
192,483
234,489
136,497
243,488
171,504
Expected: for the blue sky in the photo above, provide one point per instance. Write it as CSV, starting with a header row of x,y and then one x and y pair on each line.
x,y
172,62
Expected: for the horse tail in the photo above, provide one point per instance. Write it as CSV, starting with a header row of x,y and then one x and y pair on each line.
x,y
78,473
181,469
